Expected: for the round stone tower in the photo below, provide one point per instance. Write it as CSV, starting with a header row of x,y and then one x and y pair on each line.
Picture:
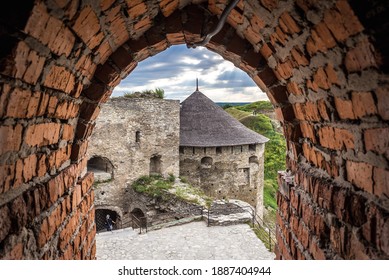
x,y
219,154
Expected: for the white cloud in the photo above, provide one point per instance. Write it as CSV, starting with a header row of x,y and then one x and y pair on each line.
x,y
176,69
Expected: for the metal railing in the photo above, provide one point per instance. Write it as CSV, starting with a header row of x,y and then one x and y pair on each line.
x,y
143,224
256,221
140,223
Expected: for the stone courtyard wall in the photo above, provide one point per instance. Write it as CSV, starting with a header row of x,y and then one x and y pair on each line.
x,y
226,172
323,64
114,138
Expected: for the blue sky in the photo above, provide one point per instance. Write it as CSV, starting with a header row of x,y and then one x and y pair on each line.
x,y
175,70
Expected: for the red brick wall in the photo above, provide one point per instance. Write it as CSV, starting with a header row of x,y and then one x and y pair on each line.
x,y
316,61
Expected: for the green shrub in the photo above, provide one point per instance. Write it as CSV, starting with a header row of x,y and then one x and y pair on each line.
x,y
256,106
156,93
171,178
153,185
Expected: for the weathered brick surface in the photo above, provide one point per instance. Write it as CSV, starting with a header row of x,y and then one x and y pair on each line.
x,y
59,78
25,64
321,68
377,140
336,138
363,104
10,138
42,134
50,31
87,27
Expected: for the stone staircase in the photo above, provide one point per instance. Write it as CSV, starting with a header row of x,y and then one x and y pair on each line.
x,y
222,213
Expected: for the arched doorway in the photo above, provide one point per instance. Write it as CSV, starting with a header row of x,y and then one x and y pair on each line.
x,y
100,219
139,218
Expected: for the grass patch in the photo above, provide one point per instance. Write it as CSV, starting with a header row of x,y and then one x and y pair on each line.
x,y
237,114
160,187
193,195
155,93
263,235
154,185
256,106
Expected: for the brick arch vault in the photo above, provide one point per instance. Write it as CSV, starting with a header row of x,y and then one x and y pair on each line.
x,y
323,65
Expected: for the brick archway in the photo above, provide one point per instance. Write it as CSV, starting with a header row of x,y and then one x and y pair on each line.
x,y
322,69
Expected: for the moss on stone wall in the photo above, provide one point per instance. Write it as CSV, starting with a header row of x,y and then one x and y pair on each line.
x,y
159,187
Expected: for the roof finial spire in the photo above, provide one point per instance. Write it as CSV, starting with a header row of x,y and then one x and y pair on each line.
x,y
197,84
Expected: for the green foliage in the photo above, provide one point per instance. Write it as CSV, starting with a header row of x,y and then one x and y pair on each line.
x,y
184,179
192,194
171,178
237,114
256,106
160,187
259,123
226,106
160,93
153,185
275,148
156,93
269,193
263,235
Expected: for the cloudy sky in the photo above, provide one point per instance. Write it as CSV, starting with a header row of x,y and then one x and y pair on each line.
x,y
175,71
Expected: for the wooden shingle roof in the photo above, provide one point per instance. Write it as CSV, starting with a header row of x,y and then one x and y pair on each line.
x,y
205,124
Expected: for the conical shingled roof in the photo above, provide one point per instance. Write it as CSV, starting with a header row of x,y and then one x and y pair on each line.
x,y
205,124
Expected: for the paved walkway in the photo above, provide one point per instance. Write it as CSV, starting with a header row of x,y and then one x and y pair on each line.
x,y
192,241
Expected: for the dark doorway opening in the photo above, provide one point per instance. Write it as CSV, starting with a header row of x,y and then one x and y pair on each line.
x,y
100,218
155,165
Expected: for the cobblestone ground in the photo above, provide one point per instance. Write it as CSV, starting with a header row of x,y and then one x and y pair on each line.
x,y
192,241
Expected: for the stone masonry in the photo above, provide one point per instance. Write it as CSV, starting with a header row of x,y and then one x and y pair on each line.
x,y
129,133
234,172
323,65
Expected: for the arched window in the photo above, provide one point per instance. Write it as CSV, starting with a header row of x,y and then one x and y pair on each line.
x,y
137,137
101,167
155,165
206,162
253,159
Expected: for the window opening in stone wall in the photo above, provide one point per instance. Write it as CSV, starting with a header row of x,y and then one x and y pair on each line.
x,y
241,149
101,167
206,162
253,159
193,150
218,150
181,149
155,165
252,147
138,215
137,137
205,151
101,216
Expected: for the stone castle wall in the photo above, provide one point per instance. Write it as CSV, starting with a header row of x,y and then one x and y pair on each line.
x,y
155,122
323,65
226,172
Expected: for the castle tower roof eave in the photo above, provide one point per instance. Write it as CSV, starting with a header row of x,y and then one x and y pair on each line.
x,y
205,124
